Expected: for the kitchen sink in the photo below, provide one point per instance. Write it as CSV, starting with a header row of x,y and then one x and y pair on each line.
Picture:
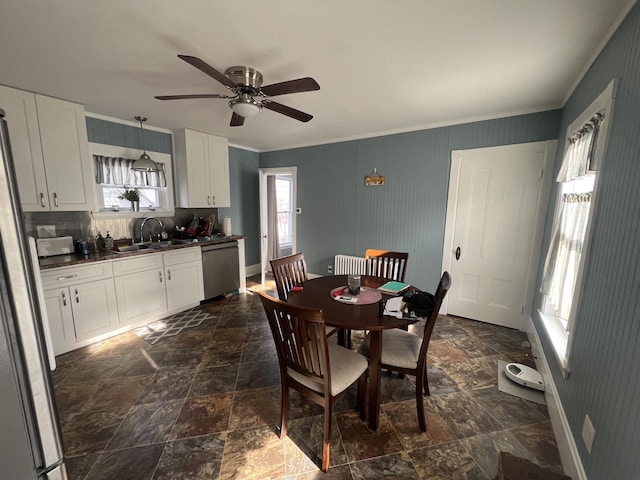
x,y
144,246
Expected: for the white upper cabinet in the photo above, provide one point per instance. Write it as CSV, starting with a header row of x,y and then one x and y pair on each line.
x,y
50,151
202,170
24,134
65,148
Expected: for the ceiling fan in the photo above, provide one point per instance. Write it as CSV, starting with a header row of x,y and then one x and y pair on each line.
x,y
249,96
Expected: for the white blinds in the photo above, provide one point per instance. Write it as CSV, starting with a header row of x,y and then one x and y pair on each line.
x,y
117,171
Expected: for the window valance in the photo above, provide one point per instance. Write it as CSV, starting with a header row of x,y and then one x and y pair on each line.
x,y
579,155
117,171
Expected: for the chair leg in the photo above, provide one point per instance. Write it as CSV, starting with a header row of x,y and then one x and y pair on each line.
x,y
426,382
362,394
326,446
284,411
420,402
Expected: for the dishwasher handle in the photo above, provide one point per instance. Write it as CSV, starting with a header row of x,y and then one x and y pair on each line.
x,y
219,246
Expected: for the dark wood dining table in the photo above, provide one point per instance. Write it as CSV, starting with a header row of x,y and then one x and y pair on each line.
x,y
316,293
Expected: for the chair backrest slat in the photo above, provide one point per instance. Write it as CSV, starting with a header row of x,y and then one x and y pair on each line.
x,y
441,292
387,264
288,272
300,337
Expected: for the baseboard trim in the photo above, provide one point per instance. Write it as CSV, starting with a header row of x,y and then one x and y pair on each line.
x,y
567,447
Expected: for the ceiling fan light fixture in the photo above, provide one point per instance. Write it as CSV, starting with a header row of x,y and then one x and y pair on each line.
x,y
245,107
144,163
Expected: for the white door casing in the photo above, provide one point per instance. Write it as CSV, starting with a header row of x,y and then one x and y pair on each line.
x,y
495,212
263,174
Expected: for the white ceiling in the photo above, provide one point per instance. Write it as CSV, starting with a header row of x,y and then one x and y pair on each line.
x,y
383,66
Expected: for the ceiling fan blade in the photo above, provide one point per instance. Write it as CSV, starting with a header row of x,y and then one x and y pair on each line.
x,y
236,120
288,111
306,84
208,69
182,97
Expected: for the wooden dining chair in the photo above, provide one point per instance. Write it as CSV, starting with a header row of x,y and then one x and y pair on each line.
x,y
288,272
387,264
311,365
405,352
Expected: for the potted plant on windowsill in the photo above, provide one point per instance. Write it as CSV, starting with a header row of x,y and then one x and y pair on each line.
x,y
133,196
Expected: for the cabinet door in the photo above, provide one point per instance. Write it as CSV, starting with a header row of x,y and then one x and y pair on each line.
x,y
141,296
219,172
197,159
95,311
22,121
184,284
65,148
60,317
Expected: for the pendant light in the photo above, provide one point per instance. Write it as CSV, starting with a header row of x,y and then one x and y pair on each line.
x,y
144,163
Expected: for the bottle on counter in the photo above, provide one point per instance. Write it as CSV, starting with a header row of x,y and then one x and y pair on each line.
x,y
108,241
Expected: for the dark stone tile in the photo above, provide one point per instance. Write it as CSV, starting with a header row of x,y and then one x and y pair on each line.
x,y
474,346
259,333
396,389
122,344
447,461
470,375
71,398
443,351
540,441
221,354
169,385
398,465
404,419
303,446
191,458
253,453
182,359
509,410
259,351
253,408
229,336
193,339
136,463
146,423
232,320
203,415
90,432
485,449
79,467
445,328
117,393
342,472
142,362
212,380
360,442
439,382
258,375
94,369
463,415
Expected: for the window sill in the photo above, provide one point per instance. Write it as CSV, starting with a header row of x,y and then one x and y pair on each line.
x,y
559,339
130,214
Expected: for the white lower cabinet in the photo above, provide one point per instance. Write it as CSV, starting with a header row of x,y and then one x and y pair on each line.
x,y
80,311
140,288
88,302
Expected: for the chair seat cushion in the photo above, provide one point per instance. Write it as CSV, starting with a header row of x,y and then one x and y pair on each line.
x,y
399,348
346,367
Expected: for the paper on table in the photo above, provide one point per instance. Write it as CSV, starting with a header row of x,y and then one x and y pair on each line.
x,y
393,307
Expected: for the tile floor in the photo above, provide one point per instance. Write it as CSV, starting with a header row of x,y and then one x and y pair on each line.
x,y
205,405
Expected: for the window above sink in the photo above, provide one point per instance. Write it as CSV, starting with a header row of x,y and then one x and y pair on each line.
x,y
156,193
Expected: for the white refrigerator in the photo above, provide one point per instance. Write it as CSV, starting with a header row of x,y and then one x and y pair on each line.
x,y
30,440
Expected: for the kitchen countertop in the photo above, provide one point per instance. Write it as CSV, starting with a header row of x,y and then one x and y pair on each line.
x,y
79,259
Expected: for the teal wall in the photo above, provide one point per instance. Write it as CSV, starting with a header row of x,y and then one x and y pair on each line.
x,y
245,201
110,133
341,215
605,362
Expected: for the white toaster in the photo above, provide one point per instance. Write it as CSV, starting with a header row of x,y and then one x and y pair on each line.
x,y
48,247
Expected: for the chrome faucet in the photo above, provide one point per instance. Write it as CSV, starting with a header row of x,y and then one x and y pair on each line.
x,y
143,224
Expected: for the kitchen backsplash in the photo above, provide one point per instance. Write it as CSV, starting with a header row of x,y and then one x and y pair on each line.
x,y
76,224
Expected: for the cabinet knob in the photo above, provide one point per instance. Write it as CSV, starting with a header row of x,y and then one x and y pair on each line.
x,y
55,199
64,299
42,199
169,274
160,274
208,199
77,296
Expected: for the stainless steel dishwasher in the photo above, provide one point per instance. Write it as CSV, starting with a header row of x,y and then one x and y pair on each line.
x,y
220,268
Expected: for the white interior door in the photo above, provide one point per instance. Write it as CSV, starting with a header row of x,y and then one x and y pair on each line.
x,y
497,201
264,226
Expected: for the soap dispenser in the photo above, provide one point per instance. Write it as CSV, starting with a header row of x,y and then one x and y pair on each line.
x,y
108,241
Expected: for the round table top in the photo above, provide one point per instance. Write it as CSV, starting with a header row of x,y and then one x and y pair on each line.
x,y
316,293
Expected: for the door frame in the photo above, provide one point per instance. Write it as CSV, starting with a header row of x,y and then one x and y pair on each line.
x,y
448,252
263,173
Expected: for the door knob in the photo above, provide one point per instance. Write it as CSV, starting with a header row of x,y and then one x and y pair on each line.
x,y
458,253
